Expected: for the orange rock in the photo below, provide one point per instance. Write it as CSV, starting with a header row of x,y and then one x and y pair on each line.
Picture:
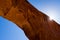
x,y
34,23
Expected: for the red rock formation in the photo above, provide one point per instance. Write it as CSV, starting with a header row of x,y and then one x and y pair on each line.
x,y
34,23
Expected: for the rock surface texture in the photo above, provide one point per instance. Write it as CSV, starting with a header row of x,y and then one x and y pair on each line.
x,y
34,23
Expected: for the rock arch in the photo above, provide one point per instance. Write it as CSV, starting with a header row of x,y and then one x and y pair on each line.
x,y
34,23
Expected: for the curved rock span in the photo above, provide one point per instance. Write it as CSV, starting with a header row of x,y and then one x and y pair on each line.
x,y
34,23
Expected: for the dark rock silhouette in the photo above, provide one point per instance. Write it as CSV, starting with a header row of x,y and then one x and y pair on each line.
x,y
34,23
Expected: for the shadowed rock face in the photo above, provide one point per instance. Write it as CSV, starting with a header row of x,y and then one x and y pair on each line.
x,y
34,23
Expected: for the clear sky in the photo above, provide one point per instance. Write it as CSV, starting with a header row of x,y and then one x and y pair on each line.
x,y
49,7
10,31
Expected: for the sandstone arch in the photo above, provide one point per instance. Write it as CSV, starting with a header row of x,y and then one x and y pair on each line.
x,y
34,23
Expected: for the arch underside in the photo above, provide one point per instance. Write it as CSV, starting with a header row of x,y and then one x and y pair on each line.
x,y
34,23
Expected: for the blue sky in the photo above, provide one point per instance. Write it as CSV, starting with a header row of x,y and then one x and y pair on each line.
x,y
49,7
10,31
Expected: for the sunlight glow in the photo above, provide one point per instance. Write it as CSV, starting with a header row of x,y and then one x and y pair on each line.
x,y
50,18
51,12
52,15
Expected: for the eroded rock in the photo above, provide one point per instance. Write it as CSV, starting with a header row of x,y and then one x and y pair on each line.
x,y
34,23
